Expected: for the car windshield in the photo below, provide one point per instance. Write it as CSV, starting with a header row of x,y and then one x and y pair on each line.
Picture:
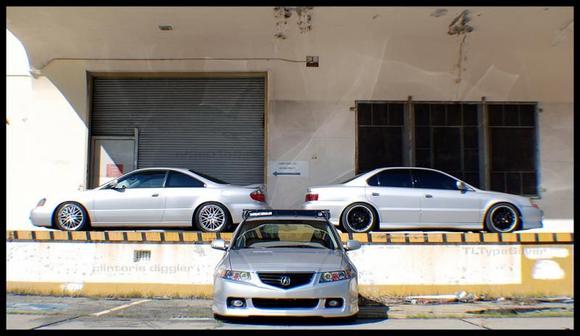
x,y
285,234
207,177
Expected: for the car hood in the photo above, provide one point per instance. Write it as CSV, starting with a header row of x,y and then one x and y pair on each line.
x,y
286,260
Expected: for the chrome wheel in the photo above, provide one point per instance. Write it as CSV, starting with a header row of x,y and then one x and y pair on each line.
x,y
211,218
504,218
70,217
359,218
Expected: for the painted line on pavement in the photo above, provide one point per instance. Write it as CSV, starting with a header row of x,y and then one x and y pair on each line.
x,y
119,308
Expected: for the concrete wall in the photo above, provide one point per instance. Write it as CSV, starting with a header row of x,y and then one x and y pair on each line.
x,y
309,116
394,269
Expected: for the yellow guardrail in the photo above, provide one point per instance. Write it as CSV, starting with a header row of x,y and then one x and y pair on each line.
x,y
366,238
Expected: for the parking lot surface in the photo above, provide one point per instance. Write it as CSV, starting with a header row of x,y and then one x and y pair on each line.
x,y
48,312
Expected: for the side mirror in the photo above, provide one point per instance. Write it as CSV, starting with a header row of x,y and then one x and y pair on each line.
x,y
219,244
352,245
461,186
113,184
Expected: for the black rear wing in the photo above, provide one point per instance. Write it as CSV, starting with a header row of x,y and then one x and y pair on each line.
x,y
290,213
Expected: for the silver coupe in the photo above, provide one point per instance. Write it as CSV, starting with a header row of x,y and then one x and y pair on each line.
x,y
151,197
411,198
285,263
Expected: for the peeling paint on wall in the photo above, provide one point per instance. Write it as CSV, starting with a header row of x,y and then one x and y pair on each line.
x,y
461,28
547,270
284,14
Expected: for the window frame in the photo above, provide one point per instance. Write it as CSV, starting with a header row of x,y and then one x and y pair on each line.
x,y
202,184
122,178
390,170
441,173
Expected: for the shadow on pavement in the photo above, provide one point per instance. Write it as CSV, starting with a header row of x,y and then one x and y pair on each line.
x,y
372,311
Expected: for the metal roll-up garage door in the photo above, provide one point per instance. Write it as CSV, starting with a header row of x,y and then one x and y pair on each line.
x,y
211,125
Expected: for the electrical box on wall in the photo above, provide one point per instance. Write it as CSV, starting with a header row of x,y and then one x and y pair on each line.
x,y
312,61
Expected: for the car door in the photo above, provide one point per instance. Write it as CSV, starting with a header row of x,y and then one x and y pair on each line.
x,y
181,193
442,203
391,192
136,200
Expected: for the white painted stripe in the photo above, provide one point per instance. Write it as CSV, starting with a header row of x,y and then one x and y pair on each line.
x,y
119,308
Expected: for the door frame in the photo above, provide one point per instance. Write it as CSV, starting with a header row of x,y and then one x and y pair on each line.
x,y
94,138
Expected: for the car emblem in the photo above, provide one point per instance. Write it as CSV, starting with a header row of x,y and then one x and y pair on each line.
x,y
285,280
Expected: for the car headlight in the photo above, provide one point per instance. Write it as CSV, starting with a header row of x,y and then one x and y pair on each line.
x,y
234,275
41,202
336,275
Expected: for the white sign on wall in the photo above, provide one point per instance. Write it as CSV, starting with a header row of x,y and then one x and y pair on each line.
x,y
288,168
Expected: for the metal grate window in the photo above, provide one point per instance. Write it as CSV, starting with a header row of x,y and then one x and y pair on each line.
x,y
446,138
513,148
380,135
450,136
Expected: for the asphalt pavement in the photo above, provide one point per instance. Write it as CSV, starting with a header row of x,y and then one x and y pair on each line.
x,y
50,312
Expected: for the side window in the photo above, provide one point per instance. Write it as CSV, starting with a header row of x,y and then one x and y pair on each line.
x,y
179,180
428,179
394,178
146,179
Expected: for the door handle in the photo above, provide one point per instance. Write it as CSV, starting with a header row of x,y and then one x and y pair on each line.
x,y
429,196
376,194
155,195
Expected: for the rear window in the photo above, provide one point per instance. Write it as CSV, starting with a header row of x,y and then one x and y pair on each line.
x,y
207,177
179,180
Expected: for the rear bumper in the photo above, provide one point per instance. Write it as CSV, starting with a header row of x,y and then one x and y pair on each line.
x,y
345,289
236,210
532,218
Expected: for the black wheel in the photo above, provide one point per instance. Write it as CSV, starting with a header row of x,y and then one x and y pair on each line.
x,y
212,217
502,218
359,218
71,216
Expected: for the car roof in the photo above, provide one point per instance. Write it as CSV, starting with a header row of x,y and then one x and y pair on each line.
x,y
183,170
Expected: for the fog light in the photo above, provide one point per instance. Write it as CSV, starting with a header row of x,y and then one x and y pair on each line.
x,y
236,302
333,303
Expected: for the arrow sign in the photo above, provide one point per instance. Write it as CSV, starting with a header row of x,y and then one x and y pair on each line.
x,y
279,173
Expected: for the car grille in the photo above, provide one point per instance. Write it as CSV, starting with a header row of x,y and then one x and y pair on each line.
x,y
284,303
275,279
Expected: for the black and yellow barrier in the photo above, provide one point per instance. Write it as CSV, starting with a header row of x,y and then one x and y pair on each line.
x,y
365,238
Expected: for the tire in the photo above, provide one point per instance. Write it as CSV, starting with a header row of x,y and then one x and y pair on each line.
x,y
71,216
212,217
359,218
502,218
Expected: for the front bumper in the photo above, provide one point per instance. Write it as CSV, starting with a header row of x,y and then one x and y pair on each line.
x,y
41,216
345,289
531,218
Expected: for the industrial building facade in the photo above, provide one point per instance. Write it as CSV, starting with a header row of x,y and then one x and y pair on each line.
x,y
252,97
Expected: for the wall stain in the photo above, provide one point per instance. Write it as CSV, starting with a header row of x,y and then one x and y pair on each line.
x,y
439,12
284,14
461,28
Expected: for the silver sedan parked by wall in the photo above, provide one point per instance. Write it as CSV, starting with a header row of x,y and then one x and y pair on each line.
x,y
285,263
412,198
151,197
